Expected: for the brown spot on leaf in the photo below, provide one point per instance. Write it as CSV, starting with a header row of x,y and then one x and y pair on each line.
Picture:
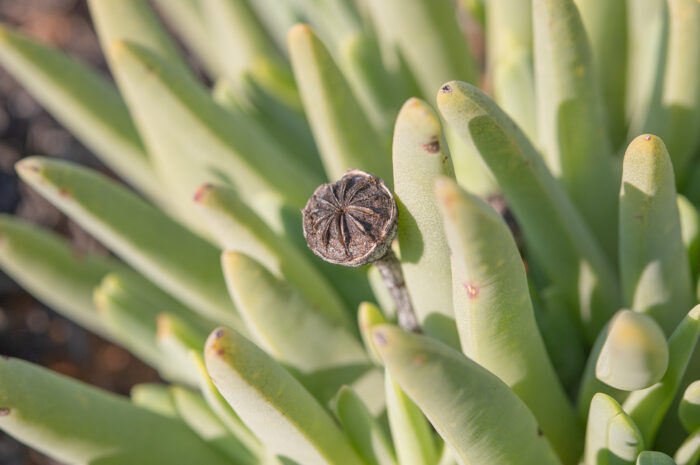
x,y
220,352
647,138
444,159
540,433
4,411
419,360
63,192
380,338
446,89
219,333
432,147
472,290
201,190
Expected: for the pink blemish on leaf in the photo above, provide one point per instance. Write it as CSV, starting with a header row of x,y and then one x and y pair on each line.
x,y
472,290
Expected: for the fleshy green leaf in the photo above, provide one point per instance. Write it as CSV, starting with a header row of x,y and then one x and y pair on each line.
x,y
239,37
188,19
82,100
365,433
219,145
572,129
679,115
690,232
410,430
689,410
165,252
223,410
654,458
237,228
277,409
155,397
76,423
419,158
653,262
648,406
611,435
428,37
47,266
195,412
495,317
590,384
342,131
473,411
606,28
634,355
368,316
319,349
647,39
510,61
557,236
689,452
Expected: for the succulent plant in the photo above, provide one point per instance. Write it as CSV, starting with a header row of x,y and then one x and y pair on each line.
x,y
547,240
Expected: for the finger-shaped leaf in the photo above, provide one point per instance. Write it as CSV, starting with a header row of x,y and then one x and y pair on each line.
x,y
283,119
165,252
223,410
343,133
560,336
131,323
379,90
240,38
176,339
419,158
648,406
47,266
319,349
188,19
365,433
510,61
647,39
155,397
286,324
689,410
634,355
84,102
277,409
195,412
606,28
368,316
410,430
219,145
572,131
474,411
76,423
653,262
237,228
334,20
690,232
611,435
654,458
495,317
689,452
557,235
590,384
680,99
440,54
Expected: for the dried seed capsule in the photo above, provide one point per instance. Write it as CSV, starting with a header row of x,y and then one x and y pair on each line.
x,y
352,221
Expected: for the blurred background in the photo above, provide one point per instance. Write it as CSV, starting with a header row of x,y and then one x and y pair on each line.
x,y
28,329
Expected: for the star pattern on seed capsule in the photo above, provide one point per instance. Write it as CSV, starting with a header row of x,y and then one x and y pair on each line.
x,y
340,208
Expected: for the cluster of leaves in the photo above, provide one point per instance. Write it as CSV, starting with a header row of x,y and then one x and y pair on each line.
x,y
291,377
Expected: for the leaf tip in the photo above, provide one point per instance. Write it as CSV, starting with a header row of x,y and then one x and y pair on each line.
x,y
201,192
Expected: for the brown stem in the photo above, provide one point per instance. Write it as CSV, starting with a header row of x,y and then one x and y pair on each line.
x,y
390,269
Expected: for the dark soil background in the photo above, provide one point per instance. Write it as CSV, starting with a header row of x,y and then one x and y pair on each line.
x,y
28,329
